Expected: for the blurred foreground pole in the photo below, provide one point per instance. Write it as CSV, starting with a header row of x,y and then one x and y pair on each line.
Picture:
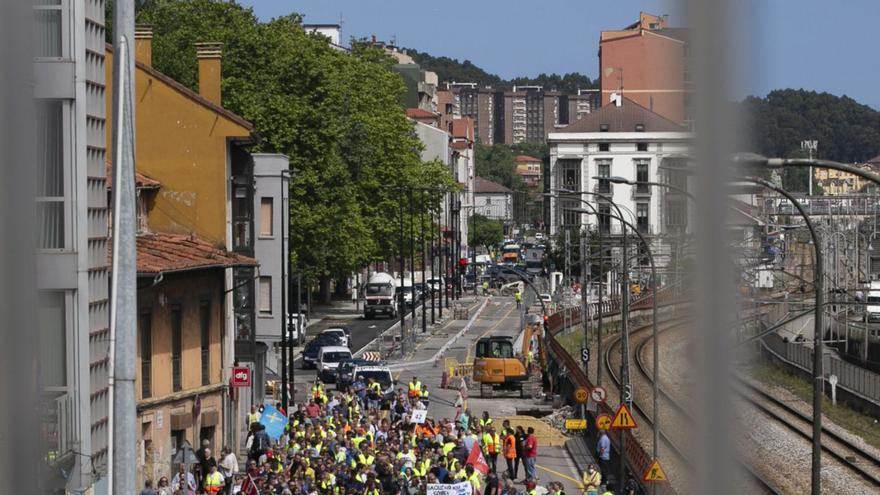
x,y
713,281
123,289
19,384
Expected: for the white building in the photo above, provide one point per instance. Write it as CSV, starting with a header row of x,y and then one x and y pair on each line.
x,y
622,140
72,268
493,200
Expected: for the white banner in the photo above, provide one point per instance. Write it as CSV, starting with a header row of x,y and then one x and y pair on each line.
x,y
463,488
418,416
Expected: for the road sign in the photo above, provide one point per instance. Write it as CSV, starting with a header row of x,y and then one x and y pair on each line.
x,y
598,394
628,394
654,473
241,377
585,354
623,419
603,421
581,395
575,424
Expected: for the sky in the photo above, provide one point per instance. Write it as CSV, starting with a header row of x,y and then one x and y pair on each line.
x,y
812,44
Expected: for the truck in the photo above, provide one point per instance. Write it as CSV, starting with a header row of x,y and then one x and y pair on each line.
x,y
510,253
872,303
379,296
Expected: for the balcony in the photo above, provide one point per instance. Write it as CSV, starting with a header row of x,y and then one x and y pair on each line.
x,y
641,191
603,187
58,424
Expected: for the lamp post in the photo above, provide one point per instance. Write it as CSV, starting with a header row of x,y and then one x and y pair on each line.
x,y
818,335
625,387
656,383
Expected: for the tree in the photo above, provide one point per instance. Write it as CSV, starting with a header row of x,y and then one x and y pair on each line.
x,y
336,115
485,231
498,164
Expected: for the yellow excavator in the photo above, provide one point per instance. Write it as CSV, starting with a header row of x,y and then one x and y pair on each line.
x,y
497,367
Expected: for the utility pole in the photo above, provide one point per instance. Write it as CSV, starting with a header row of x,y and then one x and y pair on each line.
x,y
584,306
284,322
424,261
601,308
123,282
810,146
412,267
400,302
626,388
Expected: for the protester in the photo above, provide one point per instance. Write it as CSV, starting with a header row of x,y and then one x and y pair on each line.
x,y
148,488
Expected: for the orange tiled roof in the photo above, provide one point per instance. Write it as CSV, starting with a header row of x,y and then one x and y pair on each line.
x,y
526,159
418,113
163,253
141,181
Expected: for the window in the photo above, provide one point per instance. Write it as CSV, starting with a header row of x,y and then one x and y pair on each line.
x,y
604,146
176,347
642,177
266,216
50,118
266,295
604,218
570,214
603,127
52,321
642,217
146,339
641,146
603,169
49,29
640,127
488,201
205,333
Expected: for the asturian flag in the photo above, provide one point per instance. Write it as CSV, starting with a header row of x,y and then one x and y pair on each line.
x,y
274,421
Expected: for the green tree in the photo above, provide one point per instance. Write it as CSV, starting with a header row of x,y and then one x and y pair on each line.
x,y
498,163
336,115
485,232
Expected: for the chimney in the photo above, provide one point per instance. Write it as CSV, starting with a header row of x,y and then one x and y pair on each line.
x,y
143,44
209,55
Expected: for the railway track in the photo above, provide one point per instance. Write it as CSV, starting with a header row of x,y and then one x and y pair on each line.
x,y
762,484
853,457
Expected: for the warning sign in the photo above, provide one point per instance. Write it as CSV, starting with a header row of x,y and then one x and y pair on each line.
x,y
575,424
581,395
654,473
603,421
623,419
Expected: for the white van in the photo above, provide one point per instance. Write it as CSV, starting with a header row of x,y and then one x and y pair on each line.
x,y
329,358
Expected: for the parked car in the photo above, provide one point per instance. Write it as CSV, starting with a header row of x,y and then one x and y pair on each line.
x,y
297,323
310,353
343,332
539,236
329,358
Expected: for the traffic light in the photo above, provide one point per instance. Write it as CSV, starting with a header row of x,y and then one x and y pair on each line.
x,y
462,265
546,325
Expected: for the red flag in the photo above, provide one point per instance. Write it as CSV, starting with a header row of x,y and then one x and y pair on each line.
x,y
249,487
477,460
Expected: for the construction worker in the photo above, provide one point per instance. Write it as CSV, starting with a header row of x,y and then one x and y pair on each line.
x,y
253,416
473,476
485,420
425,397
415,387
485,287
374,393
518,297
214,480
491,445
510,451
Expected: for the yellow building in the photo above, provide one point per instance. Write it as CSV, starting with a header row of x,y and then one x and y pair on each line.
x,y
837,183
195,249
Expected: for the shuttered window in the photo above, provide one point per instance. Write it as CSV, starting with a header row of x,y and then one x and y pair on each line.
x,y
265,297
266,216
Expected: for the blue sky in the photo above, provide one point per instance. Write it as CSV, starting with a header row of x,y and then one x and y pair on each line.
x,y
813,44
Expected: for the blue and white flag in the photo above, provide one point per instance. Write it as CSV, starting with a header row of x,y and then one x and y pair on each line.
x,y
274,422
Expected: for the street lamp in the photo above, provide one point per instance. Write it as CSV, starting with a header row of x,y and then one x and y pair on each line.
x,y
625,388
656,382
818,334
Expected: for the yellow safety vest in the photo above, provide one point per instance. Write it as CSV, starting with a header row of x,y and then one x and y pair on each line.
x,y
213,482
447,447
518,296
475,479
490,443
356,441
253,418
425,394
485,422
376,387
366,461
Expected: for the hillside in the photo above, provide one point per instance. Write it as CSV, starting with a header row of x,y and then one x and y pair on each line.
x,y
450,69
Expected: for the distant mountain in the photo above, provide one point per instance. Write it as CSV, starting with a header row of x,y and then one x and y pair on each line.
x,y
450,69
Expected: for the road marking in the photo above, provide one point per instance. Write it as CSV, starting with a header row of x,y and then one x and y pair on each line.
x,y
474,343
557,473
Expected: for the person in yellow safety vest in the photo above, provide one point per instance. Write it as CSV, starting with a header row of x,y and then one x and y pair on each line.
x,y
415,387
491,447
318,393
530,488
473,476
592,480
425,398
214,481
485,288
448,446
421,468
529,358
366,460
253,416
358,439
518,297
451,463
485,420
